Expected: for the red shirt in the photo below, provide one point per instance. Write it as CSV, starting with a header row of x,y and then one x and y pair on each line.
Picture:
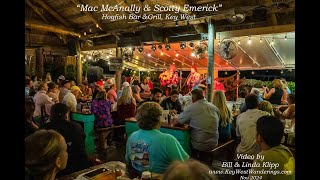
x,y
150,84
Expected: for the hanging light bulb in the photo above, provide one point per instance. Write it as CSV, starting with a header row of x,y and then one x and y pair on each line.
x,y
225,72
272,42
261,39
249,40
239,42
281,72
108,62
84,33
192,54
252,72
161,53
285,38
177,54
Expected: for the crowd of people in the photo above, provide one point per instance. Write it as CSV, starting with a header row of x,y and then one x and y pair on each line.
x,y
258,128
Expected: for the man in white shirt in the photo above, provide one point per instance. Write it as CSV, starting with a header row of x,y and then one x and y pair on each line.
x,y
70,99
246,126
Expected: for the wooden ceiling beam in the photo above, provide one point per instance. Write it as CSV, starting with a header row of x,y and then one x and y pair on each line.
x,y
46,27
36,10
53,13
89,15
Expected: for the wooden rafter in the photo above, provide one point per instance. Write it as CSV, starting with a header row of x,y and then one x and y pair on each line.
x,y
53,13
46,27
36,10
89,15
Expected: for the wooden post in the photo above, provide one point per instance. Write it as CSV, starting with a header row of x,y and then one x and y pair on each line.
x,y
118,72
238,78
210,68
78,61
39,60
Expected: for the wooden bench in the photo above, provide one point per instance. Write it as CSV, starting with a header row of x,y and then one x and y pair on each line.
x,y
102,134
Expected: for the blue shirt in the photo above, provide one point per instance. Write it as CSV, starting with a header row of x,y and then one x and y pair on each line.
x,y
153,150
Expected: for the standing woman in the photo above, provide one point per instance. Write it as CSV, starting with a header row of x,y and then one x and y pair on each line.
x,y
45,155
277,95
101,108
126,105
219,100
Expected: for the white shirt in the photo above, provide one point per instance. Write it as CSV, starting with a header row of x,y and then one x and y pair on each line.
x,y
40,99
71,101
246,129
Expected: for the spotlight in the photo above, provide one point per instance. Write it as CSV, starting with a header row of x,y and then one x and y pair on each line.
x,y
153,47
159,46
191,44
167,47
182,45
140,49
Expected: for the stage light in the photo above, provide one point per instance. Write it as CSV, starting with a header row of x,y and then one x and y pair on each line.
x,y
140,49
183,45
153,47
161,53
159,46
167,47
191,44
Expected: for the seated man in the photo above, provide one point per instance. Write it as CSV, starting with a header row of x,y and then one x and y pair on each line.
x,y
155,96
171,103
74,136
245,127
148,148
270,131
203,118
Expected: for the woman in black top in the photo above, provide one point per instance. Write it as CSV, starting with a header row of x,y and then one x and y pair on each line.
x,y
277,95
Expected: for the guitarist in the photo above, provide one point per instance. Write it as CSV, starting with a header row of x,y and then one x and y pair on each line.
x,y
193,79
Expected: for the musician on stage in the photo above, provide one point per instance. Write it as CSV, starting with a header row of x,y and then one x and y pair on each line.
x,y
169,78
193,79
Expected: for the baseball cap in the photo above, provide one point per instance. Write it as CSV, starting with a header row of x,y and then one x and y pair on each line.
x,y
75,88
124,84
61,77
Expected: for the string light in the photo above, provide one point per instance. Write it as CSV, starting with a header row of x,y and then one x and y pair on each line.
x,y
108,62
252,72
239,42
149,54
281,71
225,72
161,53
272,42
261,39
285,38
192,54
84,33
249,40
177,55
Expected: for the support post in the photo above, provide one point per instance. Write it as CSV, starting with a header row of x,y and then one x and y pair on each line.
x,y
118,72
78,61
210,68
39,60
238,78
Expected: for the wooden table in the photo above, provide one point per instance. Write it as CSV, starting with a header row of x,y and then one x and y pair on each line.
x,y
182,134
109,165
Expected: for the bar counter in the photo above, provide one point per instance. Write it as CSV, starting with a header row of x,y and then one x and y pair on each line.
x,y
182,134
